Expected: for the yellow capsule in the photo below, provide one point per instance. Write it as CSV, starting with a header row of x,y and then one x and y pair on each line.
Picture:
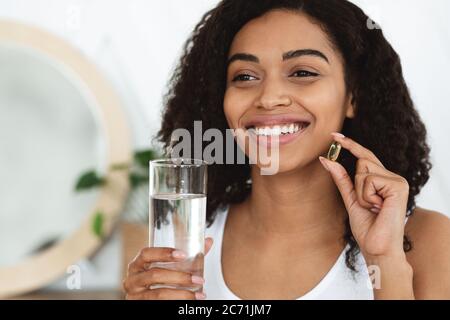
x,y
334,151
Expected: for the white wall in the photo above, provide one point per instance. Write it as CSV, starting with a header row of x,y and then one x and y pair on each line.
x,y
136,44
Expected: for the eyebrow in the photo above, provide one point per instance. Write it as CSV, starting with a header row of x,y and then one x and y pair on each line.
x,y
286,56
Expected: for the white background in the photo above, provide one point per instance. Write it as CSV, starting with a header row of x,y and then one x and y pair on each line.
x,y
136,44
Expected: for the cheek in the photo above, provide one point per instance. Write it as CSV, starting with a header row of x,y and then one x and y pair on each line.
x,y
324,99
235,106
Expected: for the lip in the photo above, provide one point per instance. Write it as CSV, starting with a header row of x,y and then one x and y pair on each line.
x,y
282,139
272,120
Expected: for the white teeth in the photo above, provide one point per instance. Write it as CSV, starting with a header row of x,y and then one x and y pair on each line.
x,y
291,128
278,130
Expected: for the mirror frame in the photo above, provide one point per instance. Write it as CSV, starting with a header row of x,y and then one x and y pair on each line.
x,y
41,269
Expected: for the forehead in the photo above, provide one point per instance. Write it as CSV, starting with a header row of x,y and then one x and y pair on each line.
x,y
279,31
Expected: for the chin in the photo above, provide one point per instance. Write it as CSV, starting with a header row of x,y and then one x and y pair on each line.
x,y
287,162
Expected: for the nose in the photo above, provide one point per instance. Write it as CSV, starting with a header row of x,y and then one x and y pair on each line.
x,y
273,95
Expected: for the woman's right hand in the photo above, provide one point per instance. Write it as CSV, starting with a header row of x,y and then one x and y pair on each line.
x,y
139,278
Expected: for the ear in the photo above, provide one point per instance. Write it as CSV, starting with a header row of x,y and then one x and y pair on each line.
x,y
350,106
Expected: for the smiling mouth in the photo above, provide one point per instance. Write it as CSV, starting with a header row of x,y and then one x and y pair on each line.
x,y
279,129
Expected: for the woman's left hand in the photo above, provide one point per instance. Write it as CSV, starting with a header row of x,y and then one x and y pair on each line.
x,y
378,231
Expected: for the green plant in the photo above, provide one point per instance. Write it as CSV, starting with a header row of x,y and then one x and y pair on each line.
x,y
138,175
97,224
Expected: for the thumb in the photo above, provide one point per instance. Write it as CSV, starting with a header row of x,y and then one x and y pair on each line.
x,y
342,181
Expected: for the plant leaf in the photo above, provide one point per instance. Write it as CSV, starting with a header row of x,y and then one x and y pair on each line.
x,y
89,180
97,224
142,157
137,179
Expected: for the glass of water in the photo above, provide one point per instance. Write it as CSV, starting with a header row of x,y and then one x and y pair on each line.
x,y
177,213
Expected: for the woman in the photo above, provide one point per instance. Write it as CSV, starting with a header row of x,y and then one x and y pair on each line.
x,y
317,228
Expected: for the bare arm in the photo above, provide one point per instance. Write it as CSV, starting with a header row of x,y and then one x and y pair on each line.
x,y
430,256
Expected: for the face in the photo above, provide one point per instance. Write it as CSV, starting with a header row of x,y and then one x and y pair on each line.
x,y
283,73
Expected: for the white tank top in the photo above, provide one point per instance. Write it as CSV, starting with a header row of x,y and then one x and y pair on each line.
x,y
339,282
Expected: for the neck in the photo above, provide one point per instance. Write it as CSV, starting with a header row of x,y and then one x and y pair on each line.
x,y
304,204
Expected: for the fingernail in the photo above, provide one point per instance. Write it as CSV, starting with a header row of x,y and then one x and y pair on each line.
x,y
197,280
200,296
324,163
377,206
375,210
338,135
178,254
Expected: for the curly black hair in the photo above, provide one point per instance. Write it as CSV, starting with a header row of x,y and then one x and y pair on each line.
x,y
385,121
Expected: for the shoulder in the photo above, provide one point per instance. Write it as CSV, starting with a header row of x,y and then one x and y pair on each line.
x,y
428,225
428,222
429,232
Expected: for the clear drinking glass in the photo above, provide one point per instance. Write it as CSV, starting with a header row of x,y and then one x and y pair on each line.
x,y
177,215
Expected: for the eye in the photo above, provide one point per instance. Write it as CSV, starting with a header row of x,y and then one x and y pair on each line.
x,y
243,77
304,74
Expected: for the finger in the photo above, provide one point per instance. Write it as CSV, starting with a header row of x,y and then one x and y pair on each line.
x,y
342,181
365,168
389,187
208,244
366,192
359,188
142,281
163,294
153,254
390,190
355,148
368,166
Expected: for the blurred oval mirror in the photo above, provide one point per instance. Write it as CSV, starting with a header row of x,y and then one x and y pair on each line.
x,y
49,135
58,118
